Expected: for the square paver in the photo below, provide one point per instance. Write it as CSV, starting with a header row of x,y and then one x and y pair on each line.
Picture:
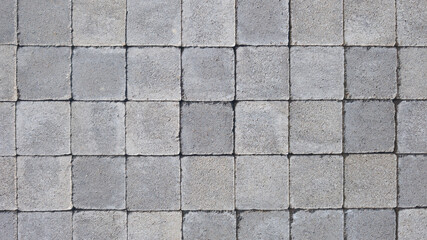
x,y
369,22
44,73
43,128
154,73
98,128
412,181
45,225
206,128
154,225
413,73
207,183
7,71
315,127
370,181
317,22
370,224
371,73
208,74
8,22
99,23
262,22
262,127
154,22
99,182
317,73
369,126
412,224
320,224
8,225
99,74
99,225
152,128
44,183
7,183
209,225
7,129
262,73
411,24
208,23
153,183
44,22
267,225
316,182
412,127
262,182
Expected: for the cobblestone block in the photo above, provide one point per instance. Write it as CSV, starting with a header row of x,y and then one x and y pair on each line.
x,y
7,183
412,127
45,225
8,226
209,225
8,22
271,225
412,224
7,71
413,73
154,225
411,22
320,224
370,224
412,181
7,129
99,225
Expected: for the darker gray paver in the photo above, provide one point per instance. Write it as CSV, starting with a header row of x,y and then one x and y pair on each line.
x,y
8,225
99,225
412,181
413,73
320,224
7,73
209,225
7,129
7,183
45,225
367,224
412,127
266,225
8,22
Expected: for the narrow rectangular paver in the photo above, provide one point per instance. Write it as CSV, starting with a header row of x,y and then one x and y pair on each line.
x,y
8,225
7,129
412,127
45,225
154,225
8,21
209,225
99,225
370,224
7,183
8,72
412,181
267,225
412,73
320,224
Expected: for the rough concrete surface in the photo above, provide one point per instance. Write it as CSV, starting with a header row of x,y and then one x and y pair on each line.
x,y
320,224
370,224
267,225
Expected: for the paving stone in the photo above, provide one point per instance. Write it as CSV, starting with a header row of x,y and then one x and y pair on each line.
x,y
317,73
370,224
7,129
206,128
207,183
262,127
44,183
271,225
317,22
316,182
209,225
99,23
152,128
412,181
412,73
98,128
321,224
154,225
369,126
99,74
43,128
262,22
315,127
369,22
208,74
45,225
262,182
153,183
154,74
7,71
208,23
99,182
371,73
262,73
412,224
44,22
8,226
411,24
8,22
44,73
370,181
7,183
154,22
99,225
412,127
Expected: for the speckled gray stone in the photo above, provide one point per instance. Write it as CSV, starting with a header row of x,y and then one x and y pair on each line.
x,y
412,127
152,128
7,183
44,73
411,22
7,72
413,73
266,225
412,181
207,183
99,225
99,182
366,224
7,129
154,225
209,225
320,224
8,226
153,183
98,128
412,224
262,182
8,22
370,181
44,183
45,225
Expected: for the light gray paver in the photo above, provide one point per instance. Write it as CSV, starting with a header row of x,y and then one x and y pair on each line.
x,y
99,225
209,225
154,225
320,224
413,73
7,129
8,22
412,127
412,224
266,225
412,181
7,183
8,225
411,22
366,224
7,72
45,225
